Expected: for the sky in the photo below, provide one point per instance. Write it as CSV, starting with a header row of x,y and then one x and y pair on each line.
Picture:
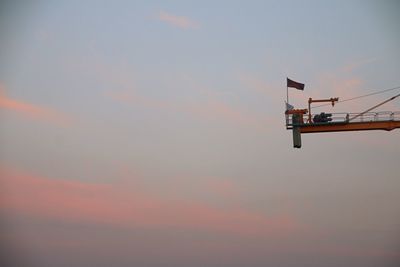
x,y
152,133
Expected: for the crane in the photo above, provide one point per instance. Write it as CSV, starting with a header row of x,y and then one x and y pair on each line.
x,y
339,122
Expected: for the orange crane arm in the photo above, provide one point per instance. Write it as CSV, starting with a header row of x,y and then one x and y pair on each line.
x,y
352,126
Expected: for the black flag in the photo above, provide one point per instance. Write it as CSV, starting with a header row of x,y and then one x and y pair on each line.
x,y
293,84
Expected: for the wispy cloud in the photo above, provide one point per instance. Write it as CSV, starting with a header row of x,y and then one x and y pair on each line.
x,y
31,110
257,85
342,86
132,97
210,109
351,66
223,187
124,204
177,21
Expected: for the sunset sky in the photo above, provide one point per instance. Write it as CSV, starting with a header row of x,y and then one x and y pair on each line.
x,y
152,134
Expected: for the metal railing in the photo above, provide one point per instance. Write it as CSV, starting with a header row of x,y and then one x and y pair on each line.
x,y
343,117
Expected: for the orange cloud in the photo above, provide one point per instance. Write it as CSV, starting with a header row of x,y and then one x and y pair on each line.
x,y
125,205
177,21
32,111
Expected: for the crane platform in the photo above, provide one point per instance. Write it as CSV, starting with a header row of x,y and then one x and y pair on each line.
x,y
340,122
385,120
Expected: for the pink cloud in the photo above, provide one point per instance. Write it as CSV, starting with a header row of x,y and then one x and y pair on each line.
x,y
258,85
274,97
351,66
223,187
177,21
347,88
357,252
211,109
335,85
125,205
32,111
345,85
132,97
214,108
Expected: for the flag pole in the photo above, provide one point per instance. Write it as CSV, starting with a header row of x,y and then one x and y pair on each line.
x,y
287,92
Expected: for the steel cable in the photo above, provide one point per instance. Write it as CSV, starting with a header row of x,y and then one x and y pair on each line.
x,y
357,97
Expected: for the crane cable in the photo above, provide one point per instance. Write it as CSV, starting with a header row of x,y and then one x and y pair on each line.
x,y
374,107
357,97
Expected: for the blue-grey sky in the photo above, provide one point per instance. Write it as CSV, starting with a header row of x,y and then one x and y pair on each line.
x,y
152,133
